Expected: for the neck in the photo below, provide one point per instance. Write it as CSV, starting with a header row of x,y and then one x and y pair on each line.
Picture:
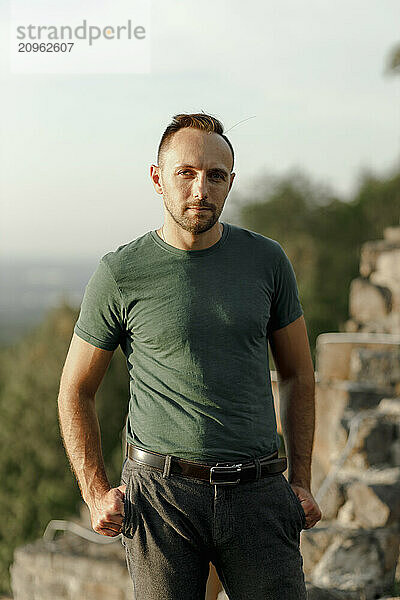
x,y
179,238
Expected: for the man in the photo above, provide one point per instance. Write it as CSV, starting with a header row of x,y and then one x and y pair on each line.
x,y
193,306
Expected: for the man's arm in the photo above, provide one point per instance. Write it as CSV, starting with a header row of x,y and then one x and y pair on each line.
x,y
84,369
291,352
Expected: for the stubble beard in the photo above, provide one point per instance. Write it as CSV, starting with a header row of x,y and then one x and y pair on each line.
x,y
191,222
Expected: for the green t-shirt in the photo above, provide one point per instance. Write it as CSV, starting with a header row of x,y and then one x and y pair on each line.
x,y
194,327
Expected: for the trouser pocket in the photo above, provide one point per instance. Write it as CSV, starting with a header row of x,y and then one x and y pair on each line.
x,y
297,503
301,510
129,520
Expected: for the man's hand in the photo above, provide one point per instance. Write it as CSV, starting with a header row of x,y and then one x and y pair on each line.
x,y
310,506
107,511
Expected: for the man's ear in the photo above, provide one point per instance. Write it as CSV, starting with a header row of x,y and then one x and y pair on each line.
x,y
233,175
156,178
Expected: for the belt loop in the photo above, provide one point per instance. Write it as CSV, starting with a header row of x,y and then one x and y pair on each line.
x,y
258,468
167,466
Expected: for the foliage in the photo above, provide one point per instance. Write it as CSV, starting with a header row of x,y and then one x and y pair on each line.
x,y
37,483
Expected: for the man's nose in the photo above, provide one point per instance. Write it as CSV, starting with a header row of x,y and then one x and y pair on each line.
x,y
200,187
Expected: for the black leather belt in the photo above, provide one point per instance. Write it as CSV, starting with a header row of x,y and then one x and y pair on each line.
x,y
219,474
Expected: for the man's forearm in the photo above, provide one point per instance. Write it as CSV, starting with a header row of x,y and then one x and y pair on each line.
x,y
297,412
81,435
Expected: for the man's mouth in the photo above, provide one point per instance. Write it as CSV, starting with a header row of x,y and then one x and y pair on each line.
x,y
198,208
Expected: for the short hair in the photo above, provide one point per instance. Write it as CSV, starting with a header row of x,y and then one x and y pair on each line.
x,y
200,121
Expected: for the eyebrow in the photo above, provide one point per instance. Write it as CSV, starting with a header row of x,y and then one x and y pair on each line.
x,y
213,169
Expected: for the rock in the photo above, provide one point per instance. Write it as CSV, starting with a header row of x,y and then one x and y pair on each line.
x,y
359,561
368,300
387,265
371,250
331,502
363,395
378,440
369,254
70,567
395,453
379,367
389,476
392,323
390,406
313,544
351,326
392,234
374,496
335,403
388,325
330,404
346,515
334,351
374,443
317,593
387,274
368,508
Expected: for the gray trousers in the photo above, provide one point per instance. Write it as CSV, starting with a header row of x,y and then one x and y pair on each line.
x,y
173,527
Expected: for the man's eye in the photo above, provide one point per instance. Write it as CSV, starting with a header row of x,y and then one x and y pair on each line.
x,y
217,176
185,172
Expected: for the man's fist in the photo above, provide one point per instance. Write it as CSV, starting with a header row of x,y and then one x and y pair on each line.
x,y
309,504
107,511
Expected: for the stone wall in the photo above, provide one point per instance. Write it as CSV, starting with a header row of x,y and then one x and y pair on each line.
x,y
355,372
355,548
353,551
374,303
70,569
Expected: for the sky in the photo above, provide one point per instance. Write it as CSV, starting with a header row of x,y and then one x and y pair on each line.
x,y
75,150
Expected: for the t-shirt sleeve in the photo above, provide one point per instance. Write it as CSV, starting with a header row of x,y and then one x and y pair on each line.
x,y
285,305
101,316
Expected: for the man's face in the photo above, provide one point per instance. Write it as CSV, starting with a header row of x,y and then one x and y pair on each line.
x,y
195,178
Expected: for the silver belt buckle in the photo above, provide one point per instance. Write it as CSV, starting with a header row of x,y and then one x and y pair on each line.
x,y
225,468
